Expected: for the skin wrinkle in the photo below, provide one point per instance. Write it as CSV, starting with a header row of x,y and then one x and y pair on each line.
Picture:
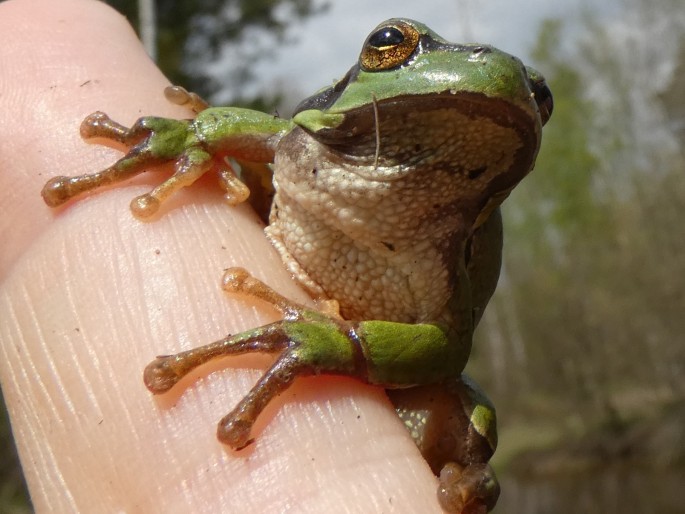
x,y
91,359
79,322
190,276
29,374
70,383
50,382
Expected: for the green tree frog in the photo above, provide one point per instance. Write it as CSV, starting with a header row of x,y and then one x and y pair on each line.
x,y
386,209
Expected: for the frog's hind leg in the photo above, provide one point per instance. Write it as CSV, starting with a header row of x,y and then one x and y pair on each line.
x,y
454,426
234,429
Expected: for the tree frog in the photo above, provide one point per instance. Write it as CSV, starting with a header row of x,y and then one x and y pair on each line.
x,y
386,210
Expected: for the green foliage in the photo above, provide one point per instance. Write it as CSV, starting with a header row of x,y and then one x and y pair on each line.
x,y
588,316
565,184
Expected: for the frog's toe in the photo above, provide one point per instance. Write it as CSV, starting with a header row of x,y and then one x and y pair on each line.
x,y
55,192
159,376
59,190
468,490
180,96
236,192
238,280
91,123
144,206
235,432
98,124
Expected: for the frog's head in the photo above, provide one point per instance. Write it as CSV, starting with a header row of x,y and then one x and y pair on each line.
x,y
404,57
415,103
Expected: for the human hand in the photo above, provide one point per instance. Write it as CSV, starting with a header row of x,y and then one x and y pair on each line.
x,y
90,295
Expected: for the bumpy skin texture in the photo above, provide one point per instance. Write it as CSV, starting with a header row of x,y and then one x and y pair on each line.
x,y
385,239
387,193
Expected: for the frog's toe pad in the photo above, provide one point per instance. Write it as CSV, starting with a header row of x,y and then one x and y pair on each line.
x,y
159,375
468,490
55,191
234,279
144,206
235,432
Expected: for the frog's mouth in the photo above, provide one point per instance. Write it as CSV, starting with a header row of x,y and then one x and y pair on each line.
x,y
402,133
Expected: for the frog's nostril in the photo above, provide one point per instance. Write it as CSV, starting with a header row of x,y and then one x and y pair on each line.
x,y
542,94
479,49
544,99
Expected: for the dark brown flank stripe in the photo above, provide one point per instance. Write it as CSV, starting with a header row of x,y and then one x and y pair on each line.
x,y
361,365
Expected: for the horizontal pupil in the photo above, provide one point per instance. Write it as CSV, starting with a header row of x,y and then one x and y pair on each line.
x,y
387,37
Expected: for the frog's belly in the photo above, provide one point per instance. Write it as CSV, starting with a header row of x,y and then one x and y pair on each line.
x,y
370,281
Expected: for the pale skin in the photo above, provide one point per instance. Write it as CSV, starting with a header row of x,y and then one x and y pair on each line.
x,y
89,295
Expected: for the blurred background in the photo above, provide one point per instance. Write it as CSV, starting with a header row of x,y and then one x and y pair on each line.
x,y
582,348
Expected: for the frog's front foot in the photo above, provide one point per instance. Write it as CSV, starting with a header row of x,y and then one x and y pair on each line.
x,y
151,142
473,489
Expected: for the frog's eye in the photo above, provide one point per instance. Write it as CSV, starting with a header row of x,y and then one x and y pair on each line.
x,y
388,47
